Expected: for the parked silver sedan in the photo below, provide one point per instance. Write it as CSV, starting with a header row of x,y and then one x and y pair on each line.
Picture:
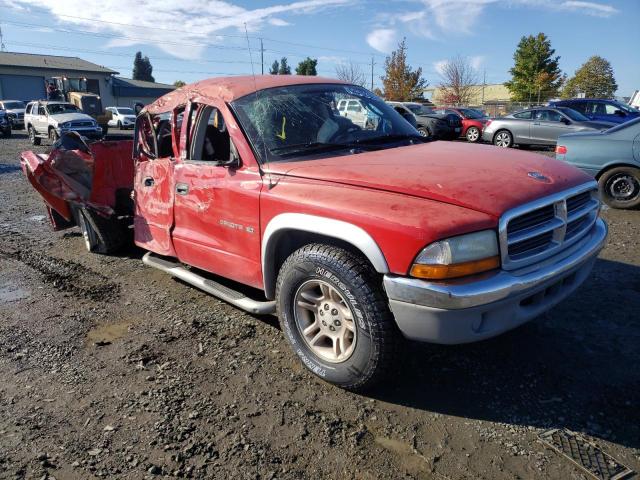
x,y
538,126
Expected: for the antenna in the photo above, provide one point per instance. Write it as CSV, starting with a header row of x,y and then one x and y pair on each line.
x,y
255,86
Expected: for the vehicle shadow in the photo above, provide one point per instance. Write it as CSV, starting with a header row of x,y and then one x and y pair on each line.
x,y
577,367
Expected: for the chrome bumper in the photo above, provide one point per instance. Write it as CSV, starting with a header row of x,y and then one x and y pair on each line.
x,y
467,311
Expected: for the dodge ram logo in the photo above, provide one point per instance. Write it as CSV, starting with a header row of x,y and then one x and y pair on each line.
x,y
540,177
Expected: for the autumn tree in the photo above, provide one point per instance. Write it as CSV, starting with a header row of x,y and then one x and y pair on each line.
x,y
142,68
594,79
352,73
459,81
307,67
401,82
535,73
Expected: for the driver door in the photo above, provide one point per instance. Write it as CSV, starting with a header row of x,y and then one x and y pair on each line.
x,y
153,185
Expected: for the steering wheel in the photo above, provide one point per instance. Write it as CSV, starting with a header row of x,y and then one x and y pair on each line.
x,y
342,134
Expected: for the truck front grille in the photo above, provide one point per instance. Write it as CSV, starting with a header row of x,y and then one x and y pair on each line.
x,y
81,124
537,230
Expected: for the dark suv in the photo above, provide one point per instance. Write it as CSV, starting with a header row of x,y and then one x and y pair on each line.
x,y
600,109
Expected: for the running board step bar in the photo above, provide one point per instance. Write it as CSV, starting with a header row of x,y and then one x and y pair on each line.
x,y
216,289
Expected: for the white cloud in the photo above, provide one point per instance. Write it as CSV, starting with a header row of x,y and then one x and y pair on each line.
x,y
439,66
476,61
383,39
590,8
180,28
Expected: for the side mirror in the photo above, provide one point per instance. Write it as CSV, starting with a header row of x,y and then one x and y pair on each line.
x,y
620,113
566,121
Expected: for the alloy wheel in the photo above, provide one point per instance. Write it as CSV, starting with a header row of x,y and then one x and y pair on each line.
x,y
325,321
473,134
623,187
503,139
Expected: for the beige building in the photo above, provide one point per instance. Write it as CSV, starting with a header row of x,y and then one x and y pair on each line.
x,y
490,93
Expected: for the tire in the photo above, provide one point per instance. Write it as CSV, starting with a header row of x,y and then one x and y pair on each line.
x,y
503,139
620,187
53,135
32,136
473,134
332,279
100,235
105,130
6,133
424,132
119,125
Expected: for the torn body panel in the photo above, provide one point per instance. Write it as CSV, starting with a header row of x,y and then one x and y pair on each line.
x,y
97,176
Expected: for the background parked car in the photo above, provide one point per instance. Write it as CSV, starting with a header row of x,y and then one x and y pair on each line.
x,y
612,157
5,124
353,109
600,109
538,126
15,112
472,121
51,119
428,122
122,117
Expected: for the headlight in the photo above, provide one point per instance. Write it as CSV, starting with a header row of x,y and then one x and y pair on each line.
x,y
66,125
458,256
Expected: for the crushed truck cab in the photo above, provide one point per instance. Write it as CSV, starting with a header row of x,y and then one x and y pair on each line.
x,y
354,235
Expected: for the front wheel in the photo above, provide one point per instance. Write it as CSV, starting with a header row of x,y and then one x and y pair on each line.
x,y
6,133
424,132
503,139
35,140
620,187
53,135
473,134
335,316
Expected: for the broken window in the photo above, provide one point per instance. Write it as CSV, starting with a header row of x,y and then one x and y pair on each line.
x,y
210,137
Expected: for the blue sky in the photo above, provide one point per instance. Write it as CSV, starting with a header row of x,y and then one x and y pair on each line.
x,y
194,39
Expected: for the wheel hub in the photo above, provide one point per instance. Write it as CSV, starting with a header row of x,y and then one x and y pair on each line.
x,y
325,321
623,187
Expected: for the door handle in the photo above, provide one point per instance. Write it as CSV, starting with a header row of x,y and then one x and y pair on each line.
x,y
148,182
182,188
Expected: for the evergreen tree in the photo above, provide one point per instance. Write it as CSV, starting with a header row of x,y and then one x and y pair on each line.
x,y
307,67
275,66
284,69
142,68
179,83
535,75
594,78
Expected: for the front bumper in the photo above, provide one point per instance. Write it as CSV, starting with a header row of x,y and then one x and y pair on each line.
x,y
92,132
468,311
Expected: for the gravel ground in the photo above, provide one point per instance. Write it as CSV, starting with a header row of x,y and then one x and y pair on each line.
x,y
112,369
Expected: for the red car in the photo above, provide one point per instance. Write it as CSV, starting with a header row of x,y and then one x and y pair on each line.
x,y
354,235
472,121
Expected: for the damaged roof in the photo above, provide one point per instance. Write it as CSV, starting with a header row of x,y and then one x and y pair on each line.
x,y
230,88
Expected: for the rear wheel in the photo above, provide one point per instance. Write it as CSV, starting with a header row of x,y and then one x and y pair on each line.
x,y
503,139
100,235
336,317
473,134
620,187
424,131
32,136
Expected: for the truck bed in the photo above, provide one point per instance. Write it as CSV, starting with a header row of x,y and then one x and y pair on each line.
x,y
98,176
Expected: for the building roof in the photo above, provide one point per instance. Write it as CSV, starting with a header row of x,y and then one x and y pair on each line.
x,y
230,88
127,87
32,60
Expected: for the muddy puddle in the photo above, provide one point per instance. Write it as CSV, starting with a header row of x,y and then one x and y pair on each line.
x,y
107,333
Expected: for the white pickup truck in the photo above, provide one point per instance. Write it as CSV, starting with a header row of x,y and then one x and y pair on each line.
x,y
51,119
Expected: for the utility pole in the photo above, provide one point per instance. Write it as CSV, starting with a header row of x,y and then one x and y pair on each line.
x,y
262,56
484,82
2,47
372,64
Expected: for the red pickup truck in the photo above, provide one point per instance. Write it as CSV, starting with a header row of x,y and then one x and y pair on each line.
x,y
355,235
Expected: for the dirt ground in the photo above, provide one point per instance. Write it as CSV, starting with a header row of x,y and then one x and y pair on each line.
x,y
112,369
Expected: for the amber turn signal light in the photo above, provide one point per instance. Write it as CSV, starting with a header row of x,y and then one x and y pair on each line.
x,y
455,270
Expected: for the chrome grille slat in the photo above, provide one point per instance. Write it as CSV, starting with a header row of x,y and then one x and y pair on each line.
x,y
537,230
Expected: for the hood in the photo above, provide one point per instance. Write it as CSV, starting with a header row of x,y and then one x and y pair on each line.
x,y
480,177
599,125
15,110
68,117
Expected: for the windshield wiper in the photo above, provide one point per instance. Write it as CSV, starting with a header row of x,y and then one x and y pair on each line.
x,y
391,138
311,147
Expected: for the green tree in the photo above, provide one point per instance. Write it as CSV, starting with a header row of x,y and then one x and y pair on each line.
x,y
594,78
535,74
275,66
284,69
307,67
179,83
142,68
401,82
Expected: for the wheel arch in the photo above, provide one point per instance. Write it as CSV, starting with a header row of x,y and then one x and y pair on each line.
x,y
614,164
288,232
503,129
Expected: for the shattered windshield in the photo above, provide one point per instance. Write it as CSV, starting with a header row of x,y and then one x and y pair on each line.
x,y
303,121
